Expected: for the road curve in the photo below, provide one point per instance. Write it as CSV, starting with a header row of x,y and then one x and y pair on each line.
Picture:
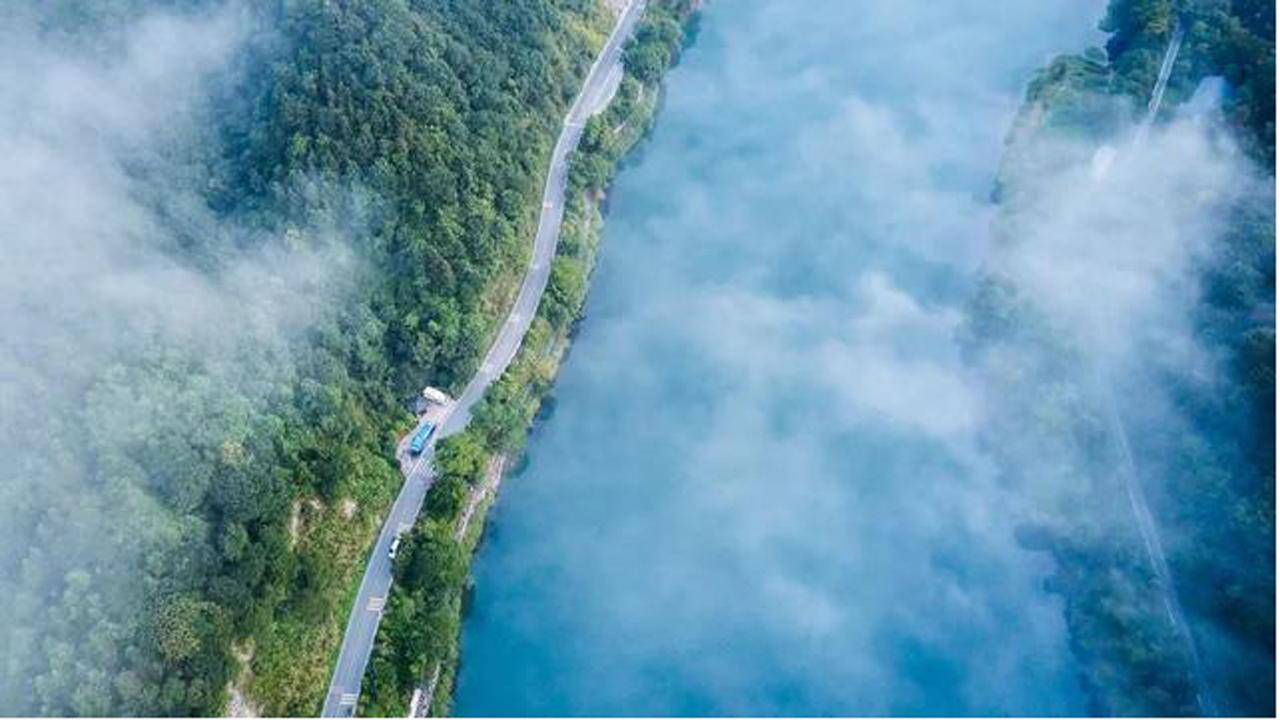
x,y
366,612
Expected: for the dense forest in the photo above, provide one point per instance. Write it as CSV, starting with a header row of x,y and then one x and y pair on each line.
x,y
255,230
418,641
1180,402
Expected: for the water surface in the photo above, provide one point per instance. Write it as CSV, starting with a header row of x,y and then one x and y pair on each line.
x,y
760,491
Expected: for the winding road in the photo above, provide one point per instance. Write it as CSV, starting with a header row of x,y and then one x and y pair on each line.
x,y
366,612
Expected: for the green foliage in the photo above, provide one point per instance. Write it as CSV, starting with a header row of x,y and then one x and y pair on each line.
x,y
446,111
1232,38
1137,18
433,562
446,498
176,627
566,291
1212,449
1239,43
420,626
418,638
462,457
419,629
244,483
657,41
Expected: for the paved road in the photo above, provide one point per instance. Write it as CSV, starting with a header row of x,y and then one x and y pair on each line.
x,y
366,613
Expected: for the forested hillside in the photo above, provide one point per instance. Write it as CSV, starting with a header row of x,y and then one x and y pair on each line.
x,y
242,236
1136,371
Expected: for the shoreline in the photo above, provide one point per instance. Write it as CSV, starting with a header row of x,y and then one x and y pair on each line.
x,y
505,416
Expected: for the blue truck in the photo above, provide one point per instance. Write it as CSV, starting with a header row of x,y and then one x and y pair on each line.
x,y
421,438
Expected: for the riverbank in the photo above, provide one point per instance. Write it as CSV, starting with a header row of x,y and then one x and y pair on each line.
x,y
1185,466
756,495
416,654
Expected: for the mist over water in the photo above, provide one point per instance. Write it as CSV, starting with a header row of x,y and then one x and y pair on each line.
x,y
761,490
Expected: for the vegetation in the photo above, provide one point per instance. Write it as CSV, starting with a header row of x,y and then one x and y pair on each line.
x,y
1232,38
209,501
1215,502
418,639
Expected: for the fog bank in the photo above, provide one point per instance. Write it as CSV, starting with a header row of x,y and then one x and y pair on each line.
x,y
133,315
763,488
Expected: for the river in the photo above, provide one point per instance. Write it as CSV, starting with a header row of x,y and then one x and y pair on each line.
x,y
760,489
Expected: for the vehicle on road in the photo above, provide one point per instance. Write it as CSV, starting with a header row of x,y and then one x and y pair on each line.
x,y
395,545
421,438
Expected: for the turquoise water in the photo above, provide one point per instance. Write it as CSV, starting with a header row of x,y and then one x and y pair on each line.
x,y
760,490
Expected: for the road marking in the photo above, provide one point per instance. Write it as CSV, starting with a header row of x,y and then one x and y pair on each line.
x,y
376,604
403,527
348,699
547,205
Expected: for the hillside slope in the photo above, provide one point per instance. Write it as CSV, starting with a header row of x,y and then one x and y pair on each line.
x,y
249,233
1125,332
